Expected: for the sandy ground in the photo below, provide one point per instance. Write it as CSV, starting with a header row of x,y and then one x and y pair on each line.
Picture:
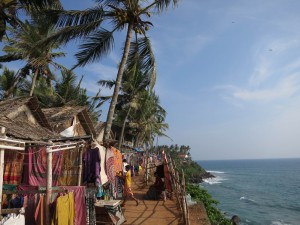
x,y
150,212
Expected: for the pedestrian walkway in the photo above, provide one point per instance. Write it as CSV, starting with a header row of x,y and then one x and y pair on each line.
x,y
150,212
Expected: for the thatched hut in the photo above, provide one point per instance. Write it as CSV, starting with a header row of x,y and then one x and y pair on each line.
x,y
70,121
23,119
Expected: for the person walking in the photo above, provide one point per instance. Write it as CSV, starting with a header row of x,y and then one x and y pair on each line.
x,y
127,187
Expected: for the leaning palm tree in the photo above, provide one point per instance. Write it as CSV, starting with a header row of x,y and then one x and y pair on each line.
x,y
119,15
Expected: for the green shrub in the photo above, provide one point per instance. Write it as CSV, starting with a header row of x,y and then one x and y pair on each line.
x,y
199,194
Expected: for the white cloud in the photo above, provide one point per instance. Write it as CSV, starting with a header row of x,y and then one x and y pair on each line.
x,y
102,72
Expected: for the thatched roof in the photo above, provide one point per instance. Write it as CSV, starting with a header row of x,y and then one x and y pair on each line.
x,y
14,115
58,117
23,129
10,107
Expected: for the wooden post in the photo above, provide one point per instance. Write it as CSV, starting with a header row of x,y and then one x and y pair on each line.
x,y
49,186
80,165
2,151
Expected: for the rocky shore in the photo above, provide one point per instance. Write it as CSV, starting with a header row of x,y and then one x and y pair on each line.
x,y
198,178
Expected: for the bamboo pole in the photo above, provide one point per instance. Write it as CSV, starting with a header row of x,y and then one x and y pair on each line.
x,y
49,185
80,166
1,167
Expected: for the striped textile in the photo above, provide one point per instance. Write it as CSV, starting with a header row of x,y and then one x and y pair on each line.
x,y
13,167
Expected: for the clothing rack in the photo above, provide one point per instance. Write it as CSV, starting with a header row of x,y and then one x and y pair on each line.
x,y
50,150
7,144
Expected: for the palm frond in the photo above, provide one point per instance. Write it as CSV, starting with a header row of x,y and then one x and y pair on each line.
x,y
10,57
162,5
97,45
107,83
68,18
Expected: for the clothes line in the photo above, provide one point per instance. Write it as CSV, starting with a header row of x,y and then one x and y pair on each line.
x,y
63,147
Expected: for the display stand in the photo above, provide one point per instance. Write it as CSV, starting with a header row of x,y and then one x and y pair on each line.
x,y
109,212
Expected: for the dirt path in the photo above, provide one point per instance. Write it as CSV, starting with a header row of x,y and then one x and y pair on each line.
x,y
150,212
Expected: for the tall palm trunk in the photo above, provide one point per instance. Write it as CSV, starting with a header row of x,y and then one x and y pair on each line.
x,y
33,82
114,100
123,128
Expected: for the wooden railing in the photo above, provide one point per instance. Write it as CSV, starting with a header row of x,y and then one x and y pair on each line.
x,y
178,185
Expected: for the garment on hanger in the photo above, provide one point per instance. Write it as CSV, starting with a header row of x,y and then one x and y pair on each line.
x,y
13,167
110,171
117,160
30,203
79,198
13,219
103,176
65,210
92,166
69,170
37,166
39,214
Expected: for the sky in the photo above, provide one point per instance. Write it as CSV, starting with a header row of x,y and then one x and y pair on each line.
x,y
228,75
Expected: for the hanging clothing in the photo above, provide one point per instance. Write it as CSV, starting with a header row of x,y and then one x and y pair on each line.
x,y
110,171
117,160
65,210
103,176
70,166
79,198
13,167
13,219
30,203
92,166
37,168
40,212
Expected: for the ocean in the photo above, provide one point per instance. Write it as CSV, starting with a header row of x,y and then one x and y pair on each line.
x,y
260,192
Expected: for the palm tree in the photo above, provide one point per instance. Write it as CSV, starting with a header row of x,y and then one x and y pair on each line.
x,y
98,41
7,79
9,8
22,46
148,120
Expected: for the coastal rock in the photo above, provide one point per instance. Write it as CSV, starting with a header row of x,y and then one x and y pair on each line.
x,y
198,178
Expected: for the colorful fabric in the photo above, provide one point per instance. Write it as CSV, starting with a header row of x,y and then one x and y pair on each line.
x,y
117,160
110,171
13,167
92,166
128,179
79,198
70,166
103,176
37,168
65,210
30,203
40,212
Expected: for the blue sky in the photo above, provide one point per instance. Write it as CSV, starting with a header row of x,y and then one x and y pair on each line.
x,y
228,76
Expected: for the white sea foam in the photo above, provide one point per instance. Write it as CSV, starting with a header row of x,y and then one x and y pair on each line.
x,y
214,180
213,171
246,199
279,223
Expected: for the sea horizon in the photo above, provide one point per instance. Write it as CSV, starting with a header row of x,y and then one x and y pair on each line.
x,y
259,191
245,159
